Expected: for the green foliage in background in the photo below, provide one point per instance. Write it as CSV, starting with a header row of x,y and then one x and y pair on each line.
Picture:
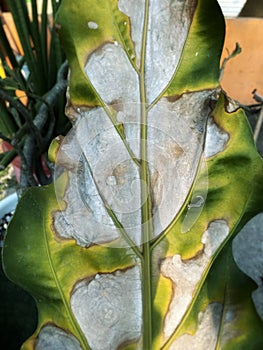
x,y
38,76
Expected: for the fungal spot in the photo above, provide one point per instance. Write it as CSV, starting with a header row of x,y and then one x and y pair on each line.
x,y
119,173
175,150
93,25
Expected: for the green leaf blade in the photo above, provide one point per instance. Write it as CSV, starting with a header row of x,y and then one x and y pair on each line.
x,y
202,49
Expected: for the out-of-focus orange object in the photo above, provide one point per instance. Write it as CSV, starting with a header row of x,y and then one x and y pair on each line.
x,y
244,73
11,33
13,38
2,71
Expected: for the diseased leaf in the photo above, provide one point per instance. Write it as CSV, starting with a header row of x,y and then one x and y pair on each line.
x,y
131,246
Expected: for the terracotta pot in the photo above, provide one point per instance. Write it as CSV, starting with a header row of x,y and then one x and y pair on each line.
x,y
244,73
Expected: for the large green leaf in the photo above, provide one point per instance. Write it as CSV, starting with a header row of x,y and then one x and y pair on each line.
x,y
131,246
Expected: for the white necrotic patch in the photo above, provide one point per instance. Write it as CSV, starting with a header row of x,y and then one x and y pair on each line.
x,y
102,172
109,309
216,139
54,338
112,75
169,23
186,275
117,83
116,176
214,236
175,146
248,254
84,218
207,333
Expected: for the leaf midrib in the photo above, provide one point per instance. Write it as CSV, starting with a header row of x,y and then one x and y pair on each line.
x,y
146,205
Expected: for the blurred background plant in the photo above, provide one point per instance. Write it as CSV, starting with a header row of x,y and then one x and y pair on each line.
x,y
32,88
33,73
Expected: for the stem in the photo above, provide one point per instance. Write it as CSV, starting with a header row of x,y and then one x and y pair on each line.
x,y
146,209
6,158
22,110
147,296
147,234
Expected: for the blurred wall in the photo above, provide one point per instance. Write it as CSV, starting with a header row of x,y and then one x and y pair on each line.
x,y
244,73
